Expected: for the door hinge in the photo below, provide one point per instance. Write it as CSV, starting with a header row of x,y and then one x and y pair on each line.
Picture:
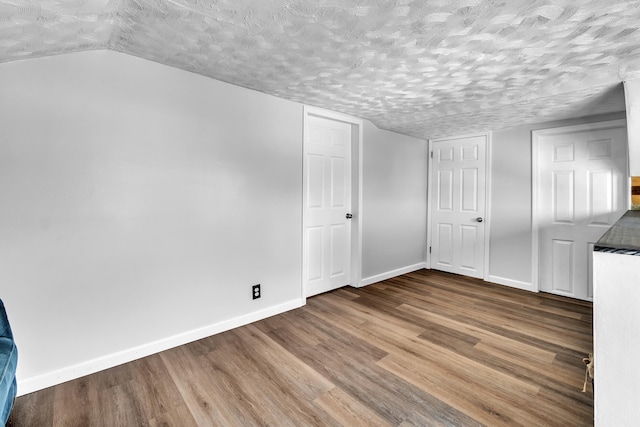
x,y
432,154
429,249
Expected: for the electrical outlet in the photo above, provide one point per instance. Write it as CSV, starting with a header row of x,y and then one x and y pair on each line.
x,y
255,290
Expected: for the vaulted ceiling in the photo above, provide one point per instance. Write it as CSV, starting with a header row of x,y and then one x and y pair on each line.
x,y
427,68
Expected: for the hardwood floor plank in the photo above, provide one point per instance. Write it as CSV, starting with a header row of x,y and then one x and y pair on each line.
x,y
348,411
495,321
546,368
468,403
208,406
203,346
77,403
276,363
156,395
345,293
393,341
118,407
304,334
270,386
34,409
177,417
423,349
114,376
368,315
392,398
448,337
564,410
487,338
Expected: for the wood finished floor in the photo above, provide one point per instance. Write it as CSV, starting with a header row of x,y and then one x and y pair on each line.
x,y
423,349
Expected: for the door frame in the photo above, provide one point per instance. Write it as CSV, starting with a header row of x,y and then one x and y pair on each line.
x,y
487,196
356,191
535,183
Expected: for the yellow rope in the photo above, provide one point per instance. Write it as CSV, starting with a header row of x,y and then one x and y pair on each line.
x,y
588,371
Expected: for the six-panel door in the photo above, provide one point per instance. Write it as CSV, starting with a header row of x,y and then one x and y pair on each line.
x,y
582,174
458,205
328,201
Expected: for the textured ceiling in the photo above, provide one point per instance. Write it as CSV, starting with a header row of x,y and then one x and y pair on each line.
x,y
427,68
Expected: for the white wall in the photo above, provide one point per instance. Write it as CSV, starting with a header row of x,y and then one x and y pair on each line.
x,y
632,97
510,242
139,203
616,323
394,235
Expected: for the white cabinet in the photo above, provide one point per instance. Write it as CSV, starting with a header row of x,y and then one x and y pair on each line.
x,y
616,318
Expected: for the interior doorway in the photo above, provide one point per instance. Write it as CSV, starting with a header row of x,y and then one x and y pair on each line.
x,y
580,188
458,226
332,198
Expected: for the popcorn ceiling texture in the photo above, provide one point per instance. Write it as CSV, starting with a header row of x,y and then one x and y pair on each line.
x,y
426,68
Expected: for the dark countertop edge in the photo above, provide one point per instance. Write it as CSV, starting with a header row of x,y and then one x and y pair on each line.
x,y
620,251
623,237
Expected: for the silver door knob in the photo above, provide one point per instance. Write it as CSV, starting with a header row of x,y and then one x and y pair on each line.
x,y
479,219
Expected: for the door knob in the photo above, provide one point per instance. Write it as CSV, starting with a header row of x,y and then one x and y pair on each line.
x,y
349,216
479,219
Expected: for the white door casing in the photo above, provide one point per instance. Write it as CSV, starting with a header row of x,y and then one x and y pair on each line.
x,y
327,234
457,205
580,189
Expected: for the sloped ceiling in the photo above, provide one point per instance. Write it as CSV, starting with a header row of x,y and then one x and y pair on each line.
x,y
427,68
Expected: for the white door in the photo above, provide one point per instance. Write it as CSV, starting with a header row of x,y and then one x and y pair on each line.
x,y
327,240
458,168
582,190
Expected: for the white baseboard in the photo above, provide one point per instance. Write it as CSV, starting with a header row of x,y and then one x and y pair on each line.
x,y
511,283
393,273
48,379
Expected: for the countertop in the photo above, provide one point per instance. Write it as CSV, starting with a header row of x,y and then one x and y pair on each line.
x,y
623,237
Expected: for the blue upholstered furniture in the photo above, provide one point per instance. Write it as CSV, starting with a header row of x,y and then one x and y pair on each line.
x,y
8,364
